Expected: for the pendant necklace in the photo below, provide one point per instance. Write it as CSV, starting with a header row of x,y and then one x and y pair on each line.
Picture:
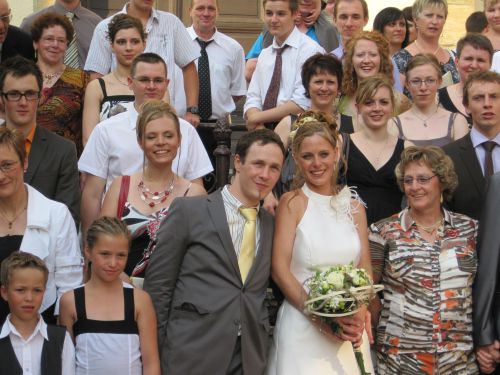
x,y
13,220
156,197
118,79
424,120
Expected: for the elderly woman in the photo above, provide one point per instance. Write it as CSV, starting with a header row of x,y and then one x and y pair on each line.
x,y
142,199
425,256
426,123
429,16
367,54
474,53
61,103
32,223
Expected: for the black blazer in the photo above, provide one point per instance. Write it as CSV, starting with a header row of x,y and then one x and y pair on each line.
x,y
486,295
17,42
469,195
53,170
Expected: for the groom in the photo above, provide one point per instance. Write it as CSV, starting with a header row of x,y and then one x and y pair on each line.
x,y
209,273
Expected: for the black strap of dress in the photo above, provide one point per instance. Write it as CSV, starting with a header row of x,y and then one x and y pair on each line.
x,y
103,88
85,325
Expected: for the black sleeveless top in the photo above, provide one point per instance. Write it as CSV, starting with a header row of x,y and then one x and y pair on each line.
x,y
446,103
112,104
85,325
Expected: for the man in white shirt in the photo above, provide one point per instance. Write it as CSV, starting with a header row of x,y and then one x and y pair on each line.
x,y
285,88
112,149
167,37
225,63
474,163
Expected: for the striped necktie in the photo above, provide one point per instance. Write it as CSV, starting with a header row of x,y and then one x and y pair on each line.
x,y
71,57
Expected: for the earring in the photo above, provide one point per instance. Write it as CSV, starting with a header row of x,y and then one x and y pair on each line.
x,y
441,199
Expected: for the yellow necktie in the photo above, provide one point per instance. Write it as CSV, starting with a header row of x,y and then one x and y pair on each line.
x,y
247,252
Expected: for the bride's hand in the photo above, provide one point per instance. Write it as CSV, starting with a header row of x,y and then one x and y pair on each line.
x,y
351,329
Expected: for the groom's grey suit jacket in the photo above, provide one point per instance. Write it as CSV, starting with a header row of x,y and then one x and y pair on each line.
x,y
201,303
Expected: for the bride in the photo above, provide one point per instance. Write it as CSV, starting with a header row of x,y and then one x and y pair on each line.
x,y
317,226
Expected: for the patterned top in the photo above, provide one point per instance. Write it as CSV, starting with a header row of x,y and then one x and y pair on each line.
x,y
60,108
427,303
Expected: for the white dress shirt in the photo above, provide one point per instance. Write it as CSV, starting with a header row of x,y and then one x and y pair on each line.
x,y
477,139
112,150
50,234
166,36
227,73
29,352
300,48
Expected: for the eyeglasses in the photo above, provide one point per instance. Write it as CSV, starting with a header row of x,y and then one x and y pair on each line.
x,y
421,180
6,18
146,81
416,83
15,96
8,166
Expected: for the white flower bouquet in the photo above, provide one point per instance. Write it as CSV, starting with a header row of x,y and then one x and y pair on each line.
x,y
340,291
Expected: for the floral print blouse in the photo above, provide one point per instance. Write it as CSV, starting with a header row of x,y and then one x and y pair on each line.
x,y
427,303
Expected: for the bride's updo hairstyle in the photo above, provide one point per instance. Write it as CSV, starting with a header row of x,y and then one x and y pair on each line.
x,y
329,132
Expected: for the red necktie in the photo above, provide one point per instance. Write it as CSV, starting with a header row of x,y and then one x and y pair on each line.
x,y
274,87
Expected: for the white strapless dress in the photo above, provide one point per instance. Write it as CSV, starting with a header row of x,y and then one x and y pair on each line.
x,y
325,236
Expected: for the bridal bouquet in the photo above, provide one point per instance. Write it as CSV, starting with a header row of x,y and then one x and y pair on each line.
x,y
340,291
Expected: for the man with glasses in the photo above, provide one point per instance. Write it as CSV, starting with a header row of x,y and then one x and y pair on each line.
x,y
13,41
112,149
52,162
84,22
477,155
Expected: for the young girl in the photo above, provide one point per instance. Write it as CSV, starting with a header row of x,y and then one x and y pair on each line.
x,y
113,324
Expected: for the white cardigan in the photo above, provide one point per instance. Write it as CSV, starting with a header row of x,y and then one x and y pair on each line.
x,y
51,235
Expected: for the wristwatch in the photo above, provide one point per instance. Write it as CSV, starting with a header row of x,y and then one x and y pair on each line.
x,y
194,110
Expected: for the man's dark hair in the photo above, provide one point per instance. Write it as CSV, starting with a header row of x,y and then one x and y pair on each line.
x,y
262,137
20,67
148,58
476,22
320,63
476,41
388,15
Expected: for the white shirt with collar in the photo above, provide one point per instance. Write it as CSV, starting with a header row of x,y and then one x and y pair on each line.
x,y
300,48
227,73
477,139
29,352
51,235
112,150
166,36
236,221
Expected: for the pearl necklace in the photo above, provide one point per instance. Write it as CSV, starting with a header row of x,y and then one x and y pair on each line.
x,y
156,197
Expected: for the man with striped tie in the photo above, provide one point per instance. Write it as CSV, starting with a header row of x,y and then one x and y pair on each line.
x,y
84,22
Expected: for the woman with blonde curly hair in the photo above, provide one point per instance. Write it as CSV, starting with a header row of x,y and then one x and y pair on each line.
x,y
426,122
367,54
425,256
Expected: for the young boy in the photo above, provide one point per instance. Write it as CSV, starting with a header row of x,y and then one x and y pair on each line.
x,y
27,344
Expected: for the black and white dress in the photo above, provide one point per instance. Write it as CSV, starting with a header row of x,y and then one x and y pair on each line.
x,y
107,347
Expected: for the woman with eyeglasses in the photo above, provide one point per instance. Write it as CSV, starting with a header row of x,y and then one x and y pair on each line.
x,y
61,103
426,258
32,223
426,122
104,96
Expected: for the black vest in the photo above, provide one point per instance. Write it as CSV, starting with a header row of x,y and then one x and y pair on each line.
x,y
51,362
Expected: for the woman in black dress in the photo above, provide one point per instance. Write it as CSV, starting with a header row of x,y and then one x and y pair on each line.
x,y
374,152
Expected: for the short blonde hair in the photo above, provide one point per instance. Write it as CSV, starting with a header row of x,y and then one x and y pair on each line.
x,y
434,158
14,139
419,6
21,260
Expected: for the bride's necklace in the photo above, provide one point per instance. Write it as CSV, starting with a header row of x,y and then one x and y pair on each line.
x,y
156,197
118,79
424,120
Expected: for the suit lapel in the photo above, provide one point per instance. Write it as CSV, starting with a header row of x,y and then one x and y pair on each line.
x,y
38,148
469,158
217,214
